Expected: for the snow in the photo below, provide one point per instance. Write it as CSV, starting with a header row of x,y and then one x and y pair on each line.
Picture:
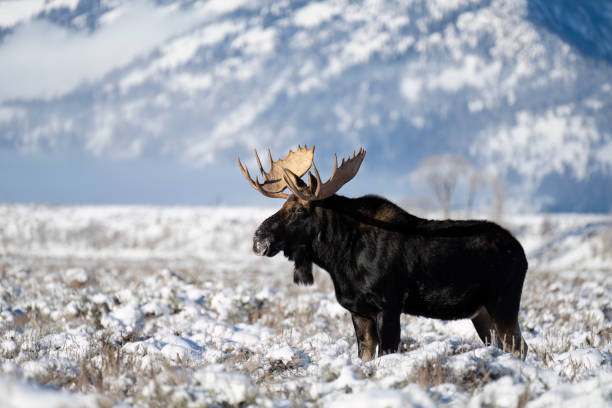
x,y
591,393
501,393
605,154
128,315
17,394
178,348
169,306
231,388
13,12
548,143
76,276
256,41
282,353
90,56
384,398
314,14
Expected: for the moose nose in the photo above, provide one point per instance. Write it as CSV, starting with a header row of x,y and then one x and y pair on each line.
x,y
261,246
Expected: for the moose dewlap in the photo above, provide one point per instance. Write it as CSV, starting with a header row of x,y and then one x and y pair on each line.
x,y
384,261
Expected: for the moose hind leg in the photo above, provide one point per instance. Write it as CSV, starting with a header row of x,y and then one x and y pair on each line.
x,y
388,327
512,339
504,313
367,337
485,327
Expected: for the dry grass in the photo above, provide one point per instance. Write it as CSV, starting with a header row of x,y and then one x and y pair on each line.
x,y
431,373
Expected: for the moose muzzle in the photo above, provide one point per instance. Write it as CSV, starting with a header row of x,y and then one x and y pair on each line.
x,y
261,245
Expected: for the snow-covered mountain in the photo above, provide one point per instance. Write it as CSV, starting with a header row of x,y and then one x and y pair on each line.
x,y
521,88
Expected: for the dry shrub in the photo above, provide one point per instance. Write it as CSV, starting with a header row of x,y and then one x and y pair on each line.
x,y
474,379
432,372
606,334
524,397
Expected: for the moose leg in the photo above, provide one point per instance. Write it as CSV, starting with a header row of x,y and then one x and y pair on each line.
x,y
367,337
485,327
512,339
388,327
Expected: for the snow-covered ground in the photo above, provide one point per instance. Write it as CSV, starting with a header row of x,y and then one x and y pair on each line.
x,y
148,306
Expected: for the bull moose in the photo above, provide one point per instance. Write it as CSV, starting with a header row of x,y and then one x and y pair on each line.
x,y
384,261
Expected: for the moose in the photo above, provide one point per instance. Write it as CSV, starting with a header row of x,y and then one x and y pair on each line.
x,y
384,261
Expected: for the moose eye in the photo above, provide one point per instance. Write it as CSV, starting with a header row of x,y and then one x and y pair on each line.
x,y
299,212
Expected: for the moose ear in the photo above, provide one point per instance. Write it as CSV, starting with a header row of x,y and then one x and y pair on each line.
x,y
294,179
312,183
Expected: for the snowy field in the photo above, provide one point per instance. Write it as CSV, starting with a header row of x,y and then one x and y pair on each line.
x,y
168,307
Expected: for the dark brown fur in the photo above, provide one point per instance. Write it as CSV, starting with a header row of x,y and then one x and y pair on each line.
x,y
384,262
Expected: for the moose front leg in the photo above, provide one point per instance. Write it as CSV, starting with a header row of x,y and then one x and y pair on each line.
x,y
388,328
367,337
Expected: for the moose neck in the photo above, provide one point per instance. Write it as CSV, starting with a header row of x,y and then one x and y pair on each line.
x,y
345,226
338,234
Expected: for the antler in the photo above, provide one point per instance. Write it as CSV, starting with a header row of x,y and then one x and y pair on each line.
x,y
297,162
340,176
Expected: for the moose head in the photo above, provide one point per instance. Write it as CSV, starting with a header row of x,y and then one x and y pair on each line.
x,y
299,224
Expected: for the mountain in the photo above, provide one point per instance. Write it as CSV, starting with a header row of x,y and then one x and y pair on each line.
x,y
520,88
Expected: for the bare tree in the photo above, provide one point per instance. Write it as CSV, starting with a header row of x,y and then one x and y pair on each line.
x,y
478,180
441,173
499,187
